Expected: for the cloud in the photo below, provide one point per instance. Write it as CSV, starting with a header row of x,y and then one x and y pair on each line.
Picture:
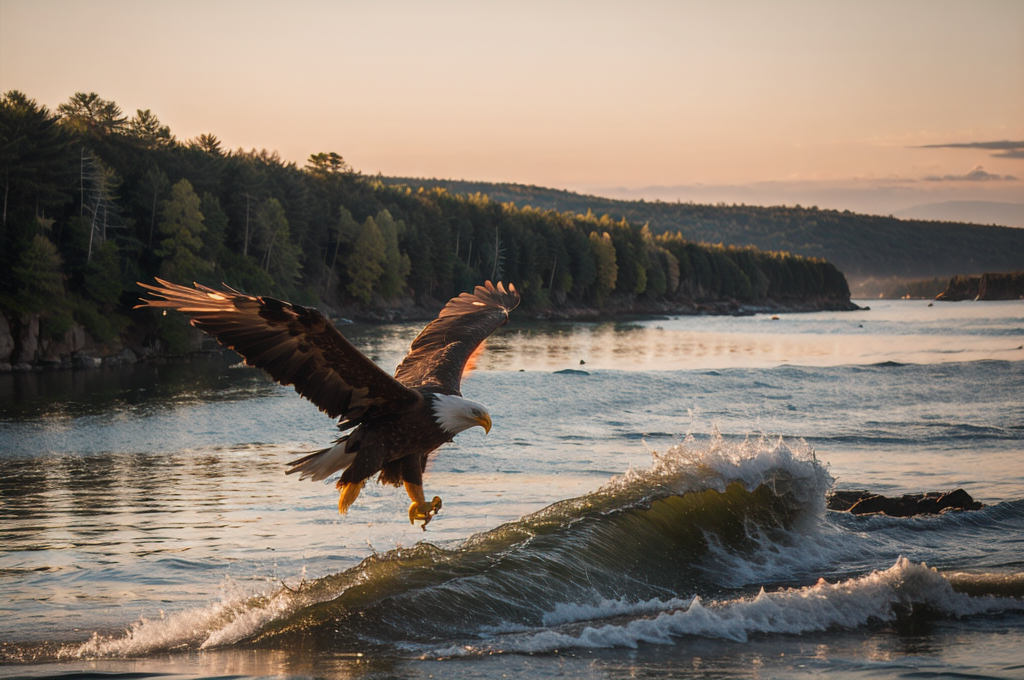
x,y
975,174
1004,149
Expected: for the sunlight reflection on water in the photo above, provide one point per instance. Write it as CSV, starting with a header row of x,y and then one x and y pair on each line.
x,y
128,490
891,330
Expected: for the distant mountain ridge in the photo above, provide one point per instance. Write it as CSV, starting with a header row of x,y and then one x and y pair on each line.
x,y
862,246
976,212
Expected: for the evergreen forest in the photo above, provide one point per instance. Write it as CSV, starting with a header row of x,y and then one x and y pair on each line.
x,y
862,246
95,199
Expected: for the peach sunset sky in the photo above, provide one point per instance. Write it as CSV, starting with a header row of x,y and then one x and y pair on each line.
x,y
840,104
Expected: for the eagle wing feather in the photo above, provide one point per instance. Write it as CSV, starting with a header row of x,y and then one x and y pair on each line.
x,y
296,345
438,355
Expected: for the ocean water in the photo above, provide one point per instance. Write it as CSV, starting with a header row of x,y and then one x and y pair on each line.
x,y
649,503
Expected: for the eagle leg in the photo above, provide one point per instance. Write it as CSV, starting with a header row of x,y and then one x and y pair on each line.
x,y
349,494
420,509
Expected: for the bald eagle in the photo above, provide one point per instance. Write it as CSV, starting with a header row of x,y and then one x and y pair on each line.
x,y
390,425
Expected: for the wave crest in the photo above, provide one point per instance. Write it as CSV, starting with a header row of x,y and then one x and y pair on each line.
x,y
905,589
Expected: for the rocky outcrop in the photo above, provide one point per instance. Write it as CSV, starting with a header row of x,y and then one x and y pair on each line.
x,y
989,286
26,345
908,505
62,351
6,343
1001,286
23,347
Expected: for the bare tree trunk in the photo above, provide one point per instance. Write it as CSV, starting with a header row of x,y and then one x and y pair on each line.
x,y
270,249
81,182
92,228
551,283
330,272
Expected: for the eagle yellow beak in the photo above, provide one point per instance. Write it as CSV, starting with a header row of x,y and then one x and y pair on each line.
x,y
484,421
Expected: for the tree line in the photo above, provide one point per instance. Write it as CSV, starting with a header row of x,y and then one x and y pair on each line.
x,y
94,200
862,246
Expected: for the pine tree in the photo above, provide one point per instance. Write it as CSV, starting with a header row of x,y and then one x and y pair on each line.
x,y
37,276
607,269
181,225
396,264
280,255
366,261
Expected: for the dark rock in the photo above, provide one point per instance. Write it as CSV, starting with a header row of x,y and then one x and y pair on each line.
x,y
988,286
124,358
959,500
85,361
27,343
908,505
61,352
6,340
960,288
1001,286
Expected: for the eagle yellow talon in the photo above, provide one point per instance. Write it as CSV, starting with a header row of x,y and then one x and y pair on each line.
x,y
424,511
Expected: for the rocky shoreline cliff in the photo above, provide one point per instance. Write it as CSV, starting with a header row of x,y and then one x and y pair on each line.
x,y
988,286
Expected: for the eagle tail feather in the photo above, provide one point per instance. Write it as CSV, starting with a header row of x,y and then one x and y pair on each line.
x,y
323,463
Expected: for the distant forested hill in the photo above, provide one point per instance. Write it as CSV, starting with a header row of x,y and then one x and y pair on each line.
x,y
861,246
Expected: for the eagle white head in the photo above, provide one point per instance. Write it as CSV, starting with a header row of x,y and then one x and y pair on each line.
x,y
455,414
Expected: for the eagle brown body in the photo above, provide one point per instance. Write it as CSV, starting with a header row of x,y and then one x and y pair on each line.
x,y
391,424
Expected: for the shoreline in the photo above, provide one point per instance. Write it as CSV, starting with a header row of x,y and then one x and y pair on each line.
x,y
77,350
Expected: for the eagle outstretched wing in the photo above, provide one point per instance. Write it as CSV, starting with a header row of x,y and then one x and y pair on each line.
x,y
440,352
296,345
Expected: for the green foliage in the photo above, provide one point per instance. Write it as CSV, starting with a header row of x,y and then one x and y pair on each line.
x,y
325,164
36,175
366,261
397,264
245,274
344,231
102,324
103,276
146,130
607,269
273,236
37,277
176,333
120,198
860,245
216,222
181,226
88,113
40,287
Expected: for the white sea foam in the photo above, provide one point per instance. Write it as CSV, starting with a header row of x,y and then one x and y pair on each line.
x,y
568,613
846,604
788,467
235,617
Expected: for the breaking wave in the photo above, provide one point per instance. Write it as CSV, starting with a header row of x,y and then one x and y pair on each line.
x,y
903,590
675,549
